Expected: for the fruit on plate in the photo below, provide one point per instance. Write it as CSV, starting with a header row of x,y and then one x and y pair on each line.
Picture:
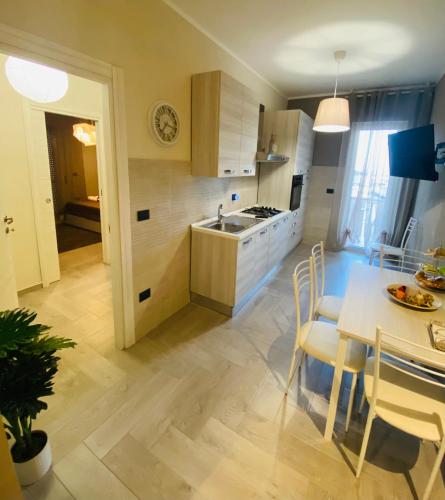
x,y
400,292
430,280
411,296
432,269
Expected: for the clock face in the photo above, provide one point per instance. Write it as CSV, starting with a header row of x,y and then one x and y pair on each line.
x,y
165,123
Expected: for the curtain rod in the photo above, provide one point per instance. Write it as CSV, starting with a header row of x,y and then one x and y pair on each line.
x,y
362,91
422,86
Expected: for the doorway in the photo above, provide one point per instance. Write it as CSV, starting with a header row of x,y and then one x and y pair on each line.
x,y
75,181
30,113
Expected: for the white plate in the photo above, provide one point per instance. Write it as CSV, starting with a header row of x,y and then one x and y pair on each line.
x,y
412,291
426,287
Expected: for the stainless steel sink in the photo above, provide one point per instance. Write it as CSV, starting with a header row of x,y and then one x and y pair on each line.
x,y
232,224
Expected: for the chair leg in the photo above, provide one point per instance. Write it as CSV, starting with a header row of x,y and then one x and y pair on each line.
x,y
294,366
351,400
362,402
363,398
361,458
435,470
371,258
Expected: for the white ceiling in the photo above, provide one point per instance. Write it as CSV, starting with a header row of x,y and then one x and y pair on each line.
x,y
290,43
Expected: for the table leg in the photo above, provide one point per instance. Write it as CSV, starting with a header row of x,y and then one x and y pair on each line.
x,y
336,383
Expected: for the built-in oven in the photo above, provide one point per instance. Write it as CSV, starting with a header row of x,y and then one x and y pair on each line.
x,y
295,194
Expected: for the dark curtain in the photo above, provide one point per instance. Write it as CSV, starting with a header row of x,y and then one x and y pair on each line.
x,y
410,106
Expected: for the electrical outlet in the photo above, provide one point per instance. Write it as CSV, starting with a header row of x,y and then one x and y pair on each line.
x,y
330,190
143,214
144,295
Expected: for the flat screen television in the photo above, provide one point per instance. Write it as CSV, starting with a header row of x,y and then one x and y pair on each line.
x,y
412,155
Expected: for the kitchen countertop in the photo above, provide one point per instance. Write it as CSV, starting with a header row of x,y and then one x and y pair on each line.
x,y
197,226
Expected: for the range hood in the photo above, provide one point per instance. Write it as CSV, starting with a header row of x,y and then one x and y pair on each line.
x,y
271,158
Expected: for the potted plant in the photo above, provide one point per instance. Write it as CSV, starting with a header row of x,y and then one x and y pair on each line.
x,y
28,363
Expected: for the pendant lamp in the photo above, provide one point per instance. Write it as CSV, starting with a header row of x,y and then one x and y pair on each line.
x,y
333,113
36,81
85,133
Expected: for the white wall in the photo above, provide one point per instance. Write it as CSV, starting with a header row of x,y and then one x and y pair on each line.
x,y
82,96
430,203
15,187
319,203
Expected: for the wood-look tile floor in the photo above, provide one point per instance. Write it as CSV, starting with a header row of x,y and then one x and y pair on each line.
x,y
196,409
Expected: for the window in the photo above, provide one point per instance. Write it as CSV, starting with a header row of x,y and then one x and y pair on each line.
x,y
369,182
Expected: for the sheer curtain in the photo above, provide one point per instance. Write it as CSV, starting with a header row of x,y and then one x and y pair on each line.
x,y
368,203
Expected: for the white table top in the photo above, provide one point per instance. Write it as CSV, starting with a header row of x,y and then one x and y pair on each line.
x,y
366,305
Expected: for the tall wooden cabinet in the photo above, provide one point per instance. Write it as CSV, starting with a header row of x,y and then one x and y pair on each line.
x,y
295,139
225,117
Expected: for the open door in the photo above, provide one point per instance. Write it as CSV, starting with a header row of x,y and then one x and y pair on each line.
x,y
42,195
8,288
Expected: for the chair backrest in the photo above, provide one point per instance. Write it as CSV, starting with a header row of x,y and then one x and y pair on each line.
x,y
399,354
319,270
409,262
303,278
412,223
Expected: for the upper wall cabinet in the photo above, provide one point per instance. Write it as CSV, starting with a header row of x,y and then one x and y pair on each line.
x,y
225,117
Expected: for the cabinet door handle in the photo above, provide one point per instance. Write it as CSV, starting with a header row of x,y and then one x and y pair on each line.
x,y
294,224
275,225
247,170
293,234
245,243
229,171
263,232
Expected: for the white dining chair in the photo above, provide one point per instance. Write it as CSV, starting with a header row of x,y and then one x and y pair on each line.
x,y
390,250
406,395
410,261
320,339
328,306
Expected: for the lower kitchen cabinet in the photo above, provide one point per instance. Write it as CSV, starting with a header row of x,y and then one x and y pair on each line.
x,y
226,270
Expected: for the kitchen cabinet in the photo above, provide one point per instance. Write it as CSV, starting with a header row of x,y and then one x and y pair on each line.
x,y
225,117
295,139
225,270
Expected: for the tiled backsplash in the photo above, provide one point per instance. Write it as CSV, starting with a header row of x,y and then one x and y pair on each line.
x,y
161,245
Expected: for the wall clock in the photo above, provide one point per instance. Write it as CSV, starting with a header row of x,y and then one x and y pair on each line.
x,y
164,123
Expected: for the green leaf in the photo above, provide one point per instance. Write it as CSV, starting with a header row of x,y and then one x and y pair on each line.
x,y
28,364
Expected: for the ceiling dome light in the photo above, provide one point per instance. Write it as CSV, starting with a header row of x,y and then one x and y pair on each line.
x,y
85,133
36,81
333,113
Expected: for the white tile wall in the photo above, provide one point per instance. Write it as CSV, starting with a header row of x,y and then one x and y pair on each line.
x,y
318,209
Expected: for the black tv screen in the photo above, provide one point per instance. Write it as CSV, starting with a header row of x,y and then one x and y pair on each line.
x,y
412,155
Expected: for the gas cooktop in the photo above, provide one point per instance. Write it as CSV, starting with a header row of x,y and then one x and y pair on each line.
x,y
262,212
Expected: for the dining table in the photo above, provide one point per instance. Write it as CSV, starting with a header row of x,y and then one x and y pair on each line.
x,y
366,305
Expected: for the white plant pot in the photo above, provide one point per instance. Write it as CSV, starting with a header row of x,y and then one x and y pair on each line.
x,y
32,470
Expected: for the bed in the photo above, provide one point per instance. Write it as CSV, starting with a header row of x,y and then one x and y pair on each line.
x,y
84,214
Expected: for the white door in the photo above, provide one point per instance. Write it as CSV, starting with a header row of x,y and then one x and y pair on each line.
x,y
42,194
8,288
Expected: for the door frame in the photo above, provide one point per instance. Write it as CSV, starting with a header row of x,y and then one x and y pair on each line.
x,y
21,44
28,108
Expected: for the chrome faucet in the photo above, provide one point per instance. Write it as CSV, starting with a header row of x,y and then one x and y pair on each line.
x,y
220,215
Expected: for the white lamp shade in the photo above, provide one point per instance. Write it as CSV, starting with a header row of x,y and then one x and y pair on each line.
x,y
35,81
332,115
85,133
